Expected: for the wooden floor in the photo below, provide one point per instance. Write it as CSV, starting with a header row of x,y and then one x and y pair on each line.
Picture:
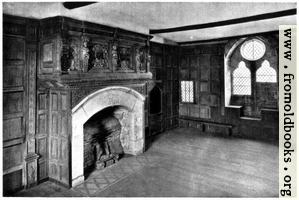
x,y
184,163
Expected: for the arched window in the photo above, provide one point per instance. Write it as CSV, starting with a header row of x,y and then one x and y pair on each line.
x,y
253,49
242,80
266,74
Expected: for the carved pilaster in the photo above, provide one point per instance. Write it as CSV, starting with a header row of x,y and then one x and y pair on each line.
x,y
31,156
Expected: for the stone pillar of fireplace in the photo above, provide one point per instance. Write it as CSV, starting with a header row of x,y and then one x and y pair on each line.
x,y
132,139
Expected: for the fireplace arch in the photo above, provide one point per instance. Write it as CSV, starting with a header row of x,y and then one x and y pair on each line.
x,y
97,101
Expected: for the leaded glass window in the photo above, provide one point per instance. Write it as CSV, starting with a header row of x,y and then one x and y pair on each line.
x,y
266,74
242,80
253,49
187,91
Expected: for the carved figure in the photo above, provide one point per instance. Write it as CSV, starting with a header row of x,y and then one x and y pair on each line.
x,y
84,53
140,59
114,55
75,58
148,62
137,58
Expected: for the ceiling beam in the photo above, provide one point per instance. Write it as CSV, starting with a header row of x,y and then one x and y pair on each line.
x,y
73,5
228,38
227,22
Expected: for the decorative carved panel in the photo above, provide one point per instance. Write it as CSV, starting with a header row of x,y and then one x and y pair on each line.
x,y
125,59
47,52
78,94
99,59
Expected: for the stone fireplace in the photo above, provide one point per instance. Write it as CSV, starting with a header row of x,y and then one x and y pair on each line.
x,y
126,106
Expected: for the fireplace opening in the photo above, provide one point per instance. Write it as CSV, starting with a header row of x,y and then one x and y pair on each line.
x,y
155,97
102,139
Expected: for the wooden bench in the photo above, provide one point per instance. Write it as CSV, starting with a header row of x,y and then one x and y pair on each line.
x,y
207,123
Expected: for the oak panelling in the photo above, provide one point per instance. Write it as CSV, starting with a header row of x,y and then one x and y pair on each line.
x,y
42,101
165,67
14,48
48,50
64,122
64,102
55,124
58,136
13,129
54,102
12,156
13,74
42,134
13,182
42,169
42,147
54,148
42,123
53,173
12,102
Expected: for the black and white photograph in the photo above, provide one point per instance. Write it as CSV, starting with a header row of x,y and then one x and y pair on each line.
x,y
148,99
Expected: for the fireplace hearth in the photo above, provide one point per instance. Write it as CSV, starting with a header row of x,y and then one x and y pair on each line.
x,y
102,144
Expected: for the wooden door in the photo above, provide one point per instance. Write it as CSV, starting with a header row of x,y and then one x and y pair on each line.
x,y
59,148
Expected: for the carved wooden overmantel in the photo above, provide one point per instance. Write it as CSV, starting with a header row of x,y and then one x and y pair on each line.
x,y
71,46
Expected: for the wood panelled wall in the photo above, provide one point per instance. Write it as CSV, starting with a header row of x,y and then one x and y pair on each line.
x,y
19,76
204,64
164,67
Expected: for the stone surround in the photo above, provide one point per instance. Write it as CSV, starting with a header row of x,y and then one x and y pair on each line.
x,y
131,119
